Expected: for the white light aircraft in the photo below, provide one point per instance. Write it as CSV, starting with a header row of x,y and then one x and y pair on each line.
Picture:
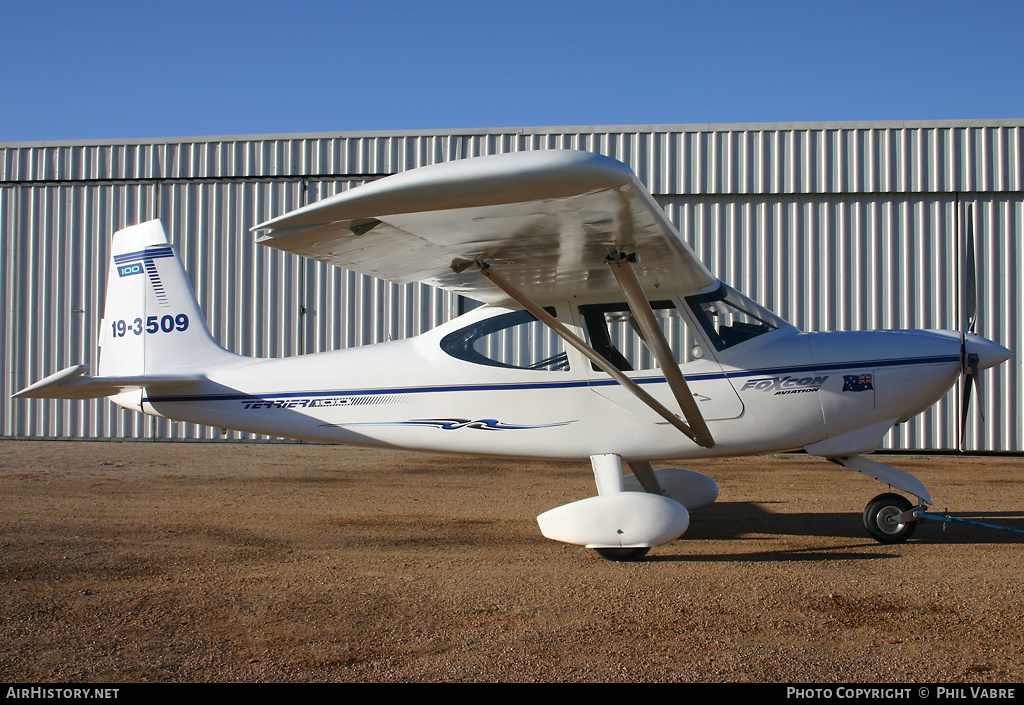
x,y
602,337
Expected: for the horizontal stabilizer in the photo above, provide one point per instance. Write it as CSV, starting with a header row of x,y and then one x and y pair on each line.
x,y
75,383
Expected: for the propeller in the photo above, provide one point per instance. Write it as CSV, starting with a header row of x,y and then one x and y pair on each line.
x,y
969,361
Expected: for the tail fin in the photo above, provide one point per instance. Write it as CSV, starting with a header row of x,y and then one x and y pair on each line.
x,y
152,324
153,334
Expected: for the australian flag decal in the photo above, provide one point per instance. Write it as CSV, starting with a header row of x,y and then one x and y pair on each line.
x,y
857,383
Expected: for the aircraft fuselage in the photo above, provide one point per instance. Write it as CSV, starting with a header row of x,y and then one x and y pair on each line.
x,y
781,391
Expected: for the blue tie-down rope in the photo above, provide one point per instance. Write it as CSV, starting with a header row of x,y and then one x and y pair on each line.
x,y
946,519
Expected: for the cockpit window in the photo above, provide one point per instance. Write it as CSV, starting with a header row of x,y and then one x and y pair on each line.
x,y
514,340
729,318
614,333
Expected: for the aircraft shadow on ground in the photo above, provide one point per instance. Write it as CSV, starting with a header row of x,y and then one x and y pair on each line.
x,y
739,521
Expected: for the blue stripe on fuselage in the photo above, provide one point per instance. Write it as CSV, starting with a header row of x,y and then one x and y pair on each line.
x,y
834,367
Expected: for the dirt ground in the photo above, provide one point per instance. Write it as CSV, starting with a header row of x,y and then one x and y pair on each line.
x,y
160,562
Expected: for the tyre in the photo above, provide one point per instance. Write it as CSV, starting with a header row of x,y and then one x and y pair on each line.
x,y
880,518
623,554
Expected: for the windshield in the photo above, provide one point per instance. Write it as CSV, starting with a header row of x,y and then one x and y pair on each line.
x,y
730,318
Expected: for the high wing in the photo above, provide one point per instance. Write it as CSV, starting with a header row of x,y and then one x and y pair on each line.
x,y
547,220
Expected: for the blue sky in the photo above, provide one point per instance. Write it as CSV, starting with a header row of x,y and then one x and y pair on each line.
x,y
107,69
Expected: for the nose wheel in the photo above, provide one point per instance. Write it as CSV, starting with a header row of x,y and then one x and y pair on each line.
x,y
882,518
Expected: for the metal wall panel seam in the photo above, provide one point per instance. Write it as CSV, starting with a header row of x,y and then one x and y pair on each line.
x,y
210,160
999,158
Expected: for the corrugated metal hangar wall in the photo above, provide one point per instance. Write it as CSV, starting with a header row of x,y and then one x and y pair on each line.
x,y
834,226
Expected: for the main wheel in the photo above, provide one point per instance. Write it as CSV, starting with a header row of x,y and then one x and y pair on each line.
x,y
623,554
880,518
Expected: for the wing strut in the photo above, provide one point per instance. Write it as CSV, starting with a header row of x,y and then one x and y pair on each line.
x,y
700,438
655,339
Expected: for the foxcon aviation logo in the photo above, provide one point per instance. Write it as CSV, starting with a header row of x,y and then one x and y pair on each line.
x,y
785,385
